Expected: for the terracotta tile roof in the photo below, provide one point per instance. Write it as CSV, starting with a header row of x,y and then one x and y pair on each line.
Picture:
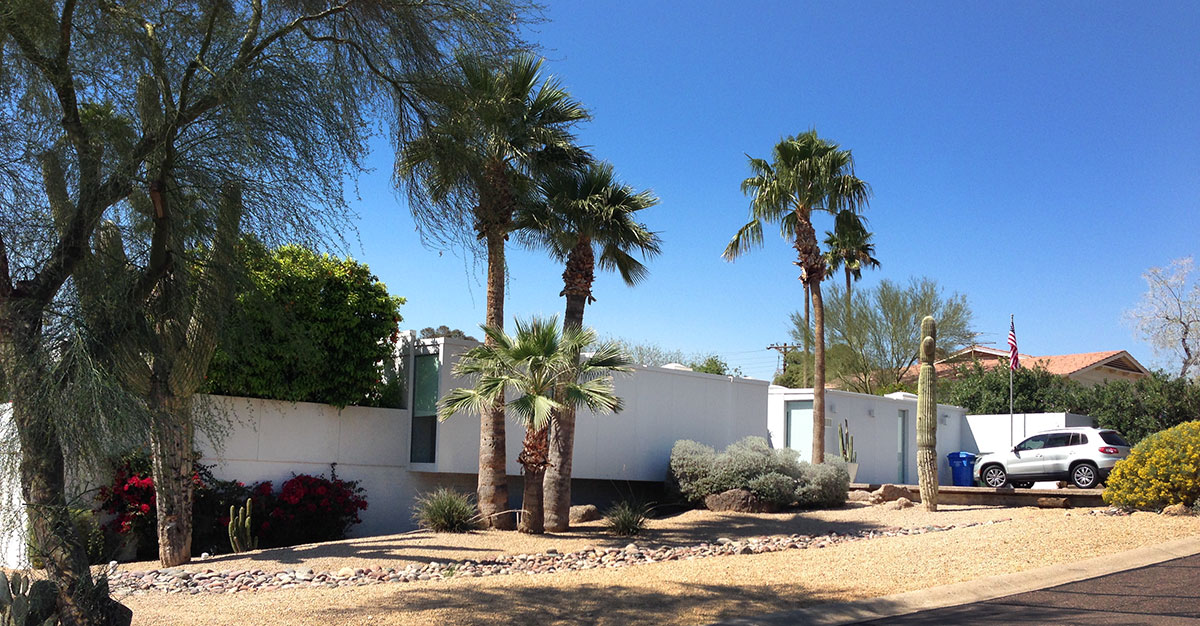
x,y
1060,364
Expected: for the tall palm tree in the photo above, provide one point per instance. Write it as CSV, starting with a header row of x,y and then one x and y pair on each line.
x,y
806,174
497,130
587,218
850,248
540,366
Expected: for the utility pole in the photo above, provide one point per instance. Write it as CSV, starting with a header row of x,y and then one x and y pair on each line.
x,y
784,349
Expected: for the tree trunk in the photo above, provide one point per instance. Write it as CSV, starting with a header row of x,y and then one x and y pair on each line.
x,y
805,369
533,459
847,322
42,468
927,460
818,448
577,287
171,451
492,488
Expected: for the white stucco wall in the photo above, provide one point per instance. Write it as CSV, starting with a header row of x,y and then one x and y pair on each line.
x,y
995,433
662,406
271,440
874,422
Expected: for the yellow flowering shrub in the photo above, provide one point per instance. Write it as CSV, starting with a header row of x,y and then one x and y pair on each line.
x,y
1161,470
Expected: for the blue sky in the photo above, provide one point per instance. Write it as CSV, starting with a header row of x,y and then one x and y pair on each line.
x,y
1037,157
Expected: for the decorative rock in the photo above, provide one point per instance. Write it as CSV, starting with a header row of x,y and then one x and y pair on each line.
x,y
1053,503
724,540
585,513
737,500
859,495
891,493
1177,509
901,503
346,572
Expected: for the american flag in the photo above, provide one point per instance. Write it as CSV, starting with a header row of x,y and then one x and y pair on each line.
x,y
1013,360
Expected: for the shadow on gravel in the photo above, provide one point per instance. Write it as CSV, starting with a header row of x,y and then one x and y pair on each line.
x,y
610,605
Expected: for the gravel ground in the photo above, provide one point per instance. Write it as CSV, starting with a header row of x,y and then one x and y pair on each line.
x,y
678,592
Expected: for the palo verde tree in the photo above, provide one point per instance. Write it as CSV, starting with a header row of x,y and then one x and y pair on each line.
x,y
1168,315
540,367
806,174
497,130
176,102
584,219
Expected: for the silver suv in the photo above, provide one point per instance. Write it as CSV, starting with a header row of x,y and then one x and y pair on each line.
x,y
1083,456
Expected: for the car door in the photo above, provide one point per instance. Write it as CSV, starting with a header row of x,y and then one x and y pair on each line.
x,y
1059,451
1026,457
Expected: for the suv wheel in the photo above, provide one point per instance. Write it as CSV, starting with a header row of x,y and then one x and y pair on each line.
x,y
994,476
1085,476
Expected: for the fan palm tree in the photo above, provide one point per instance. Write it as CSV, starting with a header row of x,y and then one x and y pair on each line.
x,y
806,174
586,219
540,366
497,130
850,248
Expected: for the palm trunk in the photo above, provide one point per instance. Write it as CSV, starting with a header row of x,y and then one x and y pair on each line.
x,y
818,449
577,279
42,470
807,325
171,434
533,459
492,488
847,322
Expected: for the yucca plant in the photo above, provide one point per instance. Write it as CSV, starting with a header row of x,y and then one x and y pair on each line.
x,y
445,510
627,518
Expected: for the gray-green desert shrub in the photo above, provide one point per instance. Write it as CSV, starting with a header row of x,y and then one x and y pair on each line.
x,y
823,486
775,489
777,476
445,510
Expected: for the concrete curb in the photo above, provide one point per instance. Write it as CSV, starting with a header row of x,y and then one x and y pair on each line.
x,y
978,590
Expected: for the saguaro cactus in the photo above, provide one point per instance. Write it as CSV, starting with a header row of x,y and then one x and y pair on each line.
x,y
927,461
846,443
241,532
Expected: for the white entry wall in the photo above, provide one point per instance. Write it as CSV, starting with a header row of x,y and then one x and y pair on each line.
x,y
884,429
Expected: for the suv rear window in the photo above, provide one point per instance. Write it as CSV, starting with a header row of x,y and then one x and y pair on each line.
x,y
1113,438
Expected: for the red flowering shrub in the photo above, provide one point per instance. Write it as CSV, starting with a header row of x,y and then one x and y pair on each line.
x,y
130,499
314,508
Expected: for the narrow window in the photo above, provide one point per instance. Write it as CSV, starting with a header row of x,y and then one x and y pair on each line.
x,y
424,411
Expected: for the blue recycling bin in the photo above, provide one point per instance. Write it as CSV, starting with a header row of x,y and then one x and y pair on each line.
x,y
962,468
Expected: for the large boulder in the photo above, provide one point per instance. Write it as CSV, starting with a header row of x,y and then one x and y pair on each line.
x,y
891,493
1176,509
584,513
859,495
738,500
900,503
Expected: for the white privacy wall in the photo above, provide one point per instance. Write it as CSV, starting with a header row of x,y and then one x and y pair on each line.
x,y
662,406
874,422
271,440
996,433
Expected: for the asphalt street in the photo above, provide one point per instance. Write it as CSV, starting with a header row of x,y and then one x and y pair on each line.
x,y
1166,593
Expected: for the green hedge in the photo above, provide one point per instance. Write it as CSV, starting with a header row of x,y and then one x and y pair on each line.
x,y
308,327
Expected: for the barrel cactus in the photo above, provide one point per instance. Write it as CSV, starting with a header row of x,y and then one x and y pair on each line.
x,y
927,461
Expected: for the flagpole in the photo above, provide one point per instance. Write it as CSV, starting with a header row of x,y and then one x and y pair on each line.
x,y
1011,424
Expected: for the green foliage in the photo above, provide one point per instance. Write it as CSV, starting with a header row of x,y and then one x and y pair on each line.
x,y
713,364
241,528
775,489
309,327
1163,469
697,471
26,602
626,518
822,486
881,329
430,332
984,390
798,370
1140,408
445,510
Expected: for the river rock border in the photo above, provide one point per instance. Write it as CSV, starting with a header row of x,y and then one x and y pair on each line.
x,y
176,580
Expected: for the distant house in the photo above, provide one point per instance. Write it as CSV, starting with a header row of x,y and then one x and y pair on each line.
x,y
1087,368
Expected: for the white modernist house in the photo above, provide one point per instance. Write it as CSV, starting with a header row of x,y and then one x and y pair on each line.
x,y
884,429
396,454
